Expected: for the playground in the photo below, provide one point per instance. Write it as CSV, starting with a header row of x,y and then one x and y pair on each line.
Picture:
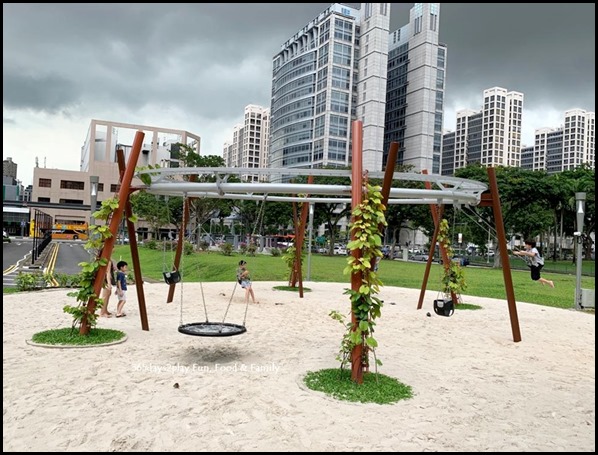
x,y
474,388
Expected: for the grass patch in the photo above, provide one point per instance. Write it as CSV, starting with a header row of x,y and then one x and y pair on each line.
x,y
468,306
9,290
376,387
290,288
71,337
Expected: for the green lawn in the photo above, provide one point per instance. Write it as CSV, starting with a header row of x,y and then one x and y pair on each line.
x,y
482,281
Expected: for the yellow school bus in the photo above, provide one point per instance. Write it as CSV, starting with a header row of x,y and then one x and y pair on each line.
x,y
70,232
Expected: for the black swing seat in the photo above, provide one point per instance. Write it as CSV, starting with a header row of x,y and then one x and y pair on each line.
x,y
172,277
212,329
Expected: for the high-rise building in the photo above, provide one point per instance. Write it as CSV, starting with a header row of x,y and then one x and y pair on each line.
x,y
490,136
250,142
563,148
329,73
9,169
415,90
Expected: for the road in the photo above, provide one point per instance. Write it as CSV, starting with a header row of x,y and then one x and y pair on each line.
x,y
16,256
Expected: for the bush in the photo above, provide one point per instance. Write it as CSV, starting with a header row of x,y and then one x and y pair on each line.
x,y
188,248
204,246
276,252
30,281
226,249
151,244
251,249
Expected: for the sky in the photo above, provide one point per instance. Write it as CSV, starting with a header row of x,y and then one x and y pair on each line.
x,y
195,67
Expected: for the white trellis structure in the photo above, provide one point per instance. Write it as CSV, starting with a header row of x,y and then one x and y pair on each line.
x,y
171,182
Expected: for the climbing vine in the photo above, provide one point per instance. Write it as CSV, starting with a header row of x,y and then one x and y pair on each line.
x,y
368,217
453,278
98,234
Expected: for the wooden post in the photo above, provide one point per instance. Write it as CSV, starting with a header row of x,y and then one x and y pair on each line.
x,y
356,278
504,254
120,158
115,220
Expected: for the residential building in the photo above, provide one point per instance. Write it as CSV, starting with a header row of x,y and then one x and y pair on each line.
x,y
415,90
566,147
490,136
329,73
250,142
9,169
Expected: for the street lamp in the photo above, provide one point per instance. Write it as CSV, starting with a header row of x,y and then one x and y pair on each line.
x,y
580,204
94,181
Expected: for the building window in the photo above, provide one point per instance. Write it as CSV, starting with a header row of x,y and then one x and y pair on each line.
x,y
43,199
71,185
71,201
100,187
114,188
45,183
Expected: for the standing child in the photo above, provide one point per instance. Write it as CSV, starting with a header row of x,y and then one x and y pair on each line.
x,y
109,281
244,280
534,261
121,287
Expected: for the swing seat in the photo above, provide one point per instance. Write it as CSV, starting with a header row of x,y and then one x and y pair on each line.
x,y
212,329
444,307
172,277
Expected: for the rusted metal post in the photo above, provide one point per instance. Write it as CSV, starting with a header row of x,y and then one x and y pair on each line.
x,y
356,278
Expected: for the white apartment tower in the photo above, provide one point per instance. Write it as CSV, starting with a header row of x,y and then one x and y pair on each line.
x,y
415,90
501,130
563,148
250,142
579,145
490,136
371,81
331,72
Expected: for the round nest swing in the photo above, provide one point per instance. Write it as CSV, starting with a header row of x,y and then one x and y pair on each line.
x,y
212,329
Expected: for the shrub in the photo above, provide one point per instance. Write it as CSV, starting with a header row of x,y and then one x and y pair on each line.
x,y
226,248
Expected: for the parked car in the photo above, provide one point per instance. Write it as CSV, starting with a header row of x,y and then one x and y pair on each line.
x,y
462,260
5,237
418,257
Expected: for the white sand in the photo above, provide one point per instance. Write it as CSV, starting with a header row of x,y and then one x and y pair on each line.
x,y
474,388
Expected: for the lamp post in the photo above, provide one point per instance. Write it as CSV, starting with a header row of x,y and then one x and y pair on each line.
x,y
93,180
580,203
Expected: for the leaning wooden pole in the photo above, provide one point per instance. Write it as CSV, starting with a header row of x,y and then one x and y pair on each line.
x,y
422,292
356,278
299,240
391,162
115,220
504,254
120,158
437,211
179,247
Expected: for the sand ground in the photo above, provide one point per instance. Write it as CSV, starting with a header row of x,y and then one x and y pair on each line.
x,y
474,388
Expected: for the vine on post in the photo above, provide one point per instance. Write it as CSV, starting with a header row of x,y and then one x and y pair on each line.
x,y
98,234
453,278
367,219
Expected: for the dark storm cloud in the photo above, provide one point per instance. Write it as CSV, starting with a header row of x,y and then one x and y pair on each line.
x,y
181,54
544,50
46,93
216,58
